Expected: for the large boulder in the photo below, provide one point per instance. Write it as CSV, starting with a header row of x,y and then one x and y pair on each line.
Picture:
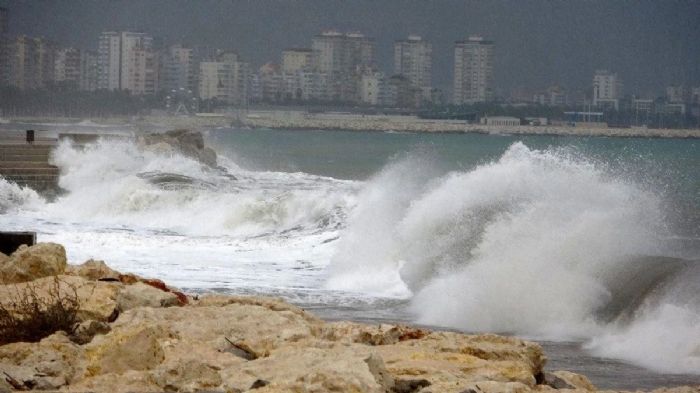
x,y
93,270
31,263
186,142
49,364
143,295
97,300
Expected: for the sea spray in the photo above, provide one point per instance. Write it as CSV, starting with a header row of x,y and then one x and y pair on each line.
x,y
114,183
13,197
535,243
367,257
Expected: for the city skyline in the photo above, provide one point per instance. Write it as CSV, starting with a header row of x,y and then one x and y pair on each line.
x,y
539,44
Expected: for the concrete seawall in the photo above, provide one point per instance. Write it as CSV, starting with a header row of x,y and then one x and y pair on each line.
x,y
28,165
413,124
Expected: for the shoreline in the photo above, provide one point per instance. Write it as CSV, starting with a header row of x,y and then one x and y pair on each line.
x,y
303,121
138,334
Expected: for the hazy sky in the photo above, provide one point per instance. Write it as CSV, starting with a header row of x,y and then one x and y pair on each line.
x,y
650,44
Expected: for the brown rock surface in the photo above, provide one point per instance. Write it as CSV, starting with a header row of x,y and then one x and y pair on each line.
x,y
93,270
30,263
239,344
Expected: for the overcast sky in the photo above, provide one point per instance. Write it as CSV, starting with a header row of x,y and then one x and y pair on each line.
x,y
650,44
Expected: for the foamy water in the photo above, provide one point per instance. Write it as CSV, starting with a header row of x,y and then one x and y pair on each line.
x,y
541,243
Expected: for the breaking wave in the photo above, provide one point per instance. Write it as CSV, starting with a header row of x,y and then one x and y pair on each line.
x,y
537,243
120,183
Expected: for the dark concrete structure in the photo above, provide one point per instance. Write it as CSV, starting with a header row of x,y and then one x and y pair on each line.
x,y
10,241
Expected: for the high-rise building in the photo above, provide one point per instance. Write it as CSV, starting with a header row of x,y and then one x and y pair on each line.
x,y
296,59
607,89
413,60
179,69
677,94
473,72
344,58
67,66
4,61
225,79
4,21
29,62
88,71
126,61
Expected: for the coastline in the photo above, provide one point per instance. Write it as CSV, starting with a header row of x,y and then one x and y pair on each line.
x,y
138,334
300,120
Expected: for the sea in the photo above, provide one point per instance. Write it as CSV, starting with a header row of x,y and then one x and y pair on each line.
x,y
588,245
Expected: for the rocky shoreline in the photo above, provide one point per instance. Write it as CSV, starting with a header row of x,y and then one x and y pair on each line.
x,y
133,334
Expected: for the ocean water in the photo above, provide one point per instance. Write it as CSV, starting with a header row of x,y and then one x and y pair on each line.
x,y
588,245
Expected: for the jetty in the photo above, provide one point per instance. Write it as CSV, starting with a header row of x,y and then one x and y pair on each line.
x,y
24,160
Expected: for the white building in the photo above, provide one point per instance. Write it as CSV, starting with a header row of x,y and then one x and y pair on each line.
x,y
67,66
88,71
344,58
126,61
371,88
413,59
179,70
296,59
225,80
473,71
607,89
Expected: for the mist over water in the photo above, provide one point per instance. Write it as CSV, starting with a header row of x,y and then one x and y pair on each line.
x,y
510,236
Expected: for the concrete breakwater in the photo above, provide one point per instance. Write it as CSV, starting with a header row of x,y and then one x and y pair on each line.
x,y
350,122
28,165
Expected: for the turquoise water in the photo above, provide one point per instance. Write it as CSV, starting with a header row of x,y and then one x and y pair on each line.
x,y
670,167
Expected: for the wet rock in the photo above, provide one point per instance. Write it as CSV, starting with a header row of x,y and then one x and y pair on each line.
x,y
186,142
143,295
568,380
31,263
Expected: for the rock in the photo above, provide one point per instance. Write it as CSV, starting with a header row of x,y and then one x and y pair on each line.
x,y
186,142
93,270
133,348
382,334
339,368
568,380
97,300
188,376
84,332
124,382
49,364
5,386
30,263
143,295
443,357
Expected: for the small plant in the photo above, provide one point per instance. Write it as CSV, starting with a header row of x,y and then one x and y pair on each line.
x,y
29,316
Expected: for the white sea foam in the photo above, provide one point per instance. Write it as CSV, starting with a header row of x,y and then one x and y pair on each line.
x,y
538,243
534,244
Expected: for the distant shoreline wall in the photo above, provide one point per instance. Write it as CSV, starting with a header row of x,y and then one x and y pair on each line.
x,y
300,120
304,121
